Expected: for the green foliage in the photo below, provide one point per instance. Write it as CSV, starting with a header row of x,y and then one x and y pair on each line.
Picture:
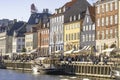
x,y
24,50
105,46
113,46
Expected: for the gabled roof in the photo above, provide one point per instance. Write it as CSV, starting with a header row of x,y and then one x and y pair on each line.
x,y
92,12
79,7
37,17
15,27
66,5
20,32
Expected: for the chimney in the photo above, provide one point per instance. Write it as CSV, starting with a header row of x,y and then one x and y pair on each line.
x,y
15,20
45,10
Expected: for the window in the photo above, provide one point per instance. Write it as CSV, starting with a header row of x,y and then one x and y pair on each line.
x,y
111,6
98,9
79,17
111,20
87,19
103,8
106,7
86,27
86,37
93,27
98,22
74,18
83,38
102,21
70,18
23,40
19,40
116,17
98,35
106,20
103,34
19,47
111,33
83,28
90,27
89,37
93,37
106,34
36,20
116,5
75,36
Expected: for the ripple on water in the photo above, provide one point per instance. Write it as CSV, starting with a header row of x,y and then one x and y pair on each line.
x,y
64,79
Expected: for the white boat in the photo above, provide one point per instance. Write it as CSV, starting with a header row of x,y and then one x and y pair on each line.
x,y
48,68
116,74
86,79
38,65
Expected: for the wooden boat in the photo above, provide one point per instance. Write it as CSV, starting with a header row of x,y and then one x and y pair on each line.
x,y
2,65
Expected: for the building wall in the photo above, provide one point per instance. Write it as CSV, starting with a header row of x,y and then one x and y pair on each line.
x,y
87,31
45,41
56,31
106,24
18,44
29,42
119,26
3,43
35,40
72,35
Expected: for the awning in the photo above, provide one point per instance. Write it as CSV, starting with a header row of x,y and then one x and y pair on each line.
x,y
56,52
69,52
41,58
85,49
108,50
34,50
77,51
111,50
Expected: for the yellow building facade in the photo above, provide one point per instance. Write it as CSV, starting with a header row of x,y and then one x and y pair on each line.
x,y
72,35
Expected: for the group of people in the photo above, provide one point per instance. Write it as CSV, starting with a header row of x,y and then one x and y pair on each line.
x,y
85,58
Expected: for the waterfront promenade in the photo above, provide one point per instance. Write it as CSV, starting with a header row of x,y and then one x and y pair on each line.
x,y
74,67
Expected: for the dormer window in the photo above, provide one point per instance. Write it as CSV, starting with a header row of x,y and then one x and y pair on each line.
x,y
59,10
79,17
74,18
36,20
64,9
47,24
44,25
70,18
56,11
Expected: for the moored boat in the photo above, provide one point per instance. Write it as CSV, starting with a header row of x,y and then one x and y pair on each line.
x,y
2,65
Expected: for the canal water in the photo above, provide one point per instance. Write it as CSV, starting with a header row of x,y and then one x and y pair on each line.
x,y
16,75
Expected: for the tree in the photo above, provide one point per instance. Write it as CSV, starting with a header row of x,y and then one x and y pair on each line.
x,y
105,46
113,46
24,50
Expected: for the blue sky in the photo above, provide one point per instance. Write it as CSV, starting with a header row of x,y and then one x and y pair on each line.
x,y
20,9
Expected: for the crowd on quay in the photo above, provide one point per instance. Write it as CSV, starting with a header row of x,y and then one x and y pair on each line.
x,y
86,58
18,57
69,58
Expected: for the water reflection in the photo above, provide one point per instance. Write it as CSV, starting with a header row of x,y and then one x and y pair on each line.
x,y
17,75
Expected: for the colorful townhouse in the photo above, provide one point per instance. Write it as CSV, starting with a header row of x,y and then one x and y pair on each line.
x,y
18,40
5,36
87,35
43,33
107,24
56,43
73,24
